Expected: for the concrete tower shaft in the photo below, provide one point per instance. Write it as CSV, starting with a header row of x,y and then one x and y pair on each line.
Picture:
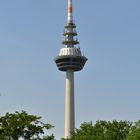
x,y
69,60
69,104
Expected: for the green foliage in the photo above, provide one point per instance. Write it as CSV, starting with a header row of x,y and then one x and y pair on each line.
x,y
23,125
102,130
135,132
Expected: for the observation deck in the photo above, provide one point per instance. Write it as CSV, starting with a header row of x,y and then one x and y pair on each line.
x,y
70,59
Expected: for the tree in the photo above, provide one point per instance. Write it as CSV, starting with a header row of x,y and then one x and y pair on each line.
x,y
102,130
117,130
22,125
135,132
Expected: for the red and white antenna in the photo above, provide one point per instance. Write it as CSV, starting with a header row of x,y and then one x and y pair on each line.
x,y
70,16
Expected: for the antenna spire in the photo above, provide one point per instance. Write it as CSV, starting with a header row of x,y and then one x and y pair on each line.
x,y
70,16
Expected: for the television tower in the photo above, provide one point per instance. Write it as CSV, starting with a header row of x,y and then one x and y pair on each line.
x,y
69,60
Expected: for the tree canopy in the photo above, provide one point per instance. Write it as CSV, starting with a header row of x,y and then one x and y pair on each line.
x,y
135,132
21,125
103,130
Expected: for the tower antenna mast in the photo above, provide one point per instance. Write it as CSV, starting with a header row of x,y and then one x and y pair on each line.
x,y
70,10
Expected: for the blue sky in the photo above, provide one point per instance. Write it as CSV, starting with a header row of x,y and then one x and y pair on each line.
x,y
30,37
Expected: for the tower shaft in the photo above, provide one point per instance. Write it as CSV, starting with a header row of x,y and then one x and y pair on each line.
x,y
69,105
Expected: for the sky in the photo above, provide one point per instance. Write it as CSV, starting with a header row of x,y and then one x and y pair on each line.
x,y
107,88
